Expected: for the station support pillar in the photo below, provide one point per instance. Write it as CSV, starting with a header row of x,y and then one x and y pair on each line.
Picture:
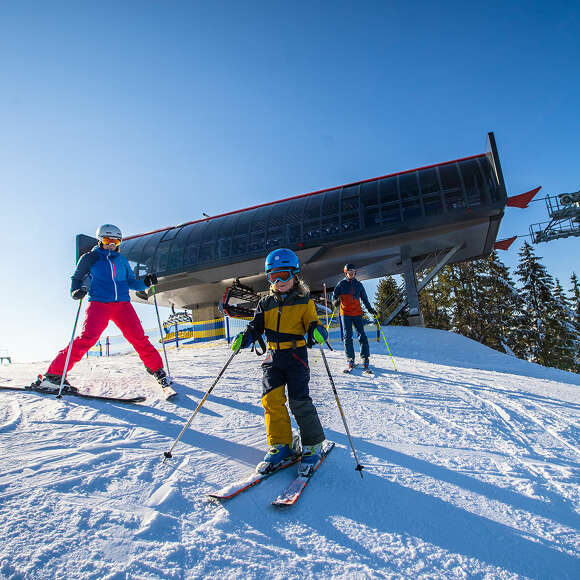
x,y
415,316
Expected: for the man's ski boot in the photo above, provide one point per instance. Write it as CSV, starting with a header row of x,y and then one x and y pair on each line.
x,y
50,383
311,455
366,369
278,455
349,366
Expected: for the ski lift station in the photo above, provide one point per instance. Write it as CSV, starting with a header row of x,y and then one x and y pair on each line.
x,y
410,223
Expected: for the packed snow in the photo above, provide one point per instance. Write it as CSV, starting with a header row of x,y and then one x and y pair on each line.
x,y
470,461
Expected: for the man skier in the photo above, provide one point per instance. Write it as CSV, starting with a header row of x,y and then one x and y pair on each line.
x,y
348,294
110,278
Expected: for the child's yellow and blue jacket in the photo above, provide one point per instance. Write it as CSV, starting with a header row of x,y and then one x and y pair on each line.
x,y
286,319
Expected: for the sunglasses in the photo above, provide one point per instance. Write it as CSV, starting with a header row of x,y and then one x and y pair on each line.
x,y
107,241
279,276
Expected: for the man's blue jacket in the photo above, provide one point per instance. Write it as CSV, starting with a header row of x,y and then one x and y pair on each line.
x,y
110,276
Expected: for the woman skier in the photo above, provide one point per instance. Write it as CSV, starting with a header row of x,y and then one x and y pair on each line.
x,y
110,278
286,315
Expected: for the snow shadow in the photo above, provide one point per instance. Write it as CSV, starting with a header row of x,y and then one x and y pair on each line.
x,y
367,519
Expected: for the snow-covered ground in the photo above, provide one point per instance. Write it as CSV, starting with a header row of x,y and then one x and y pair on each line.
x,y
471,470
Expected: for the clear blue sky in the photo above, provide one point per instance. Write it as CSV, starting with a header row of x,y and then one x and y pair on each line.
x,y
147,113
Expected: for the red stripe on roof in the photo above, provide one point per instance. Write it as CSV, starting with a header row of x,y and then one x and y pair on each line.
x,y
303,195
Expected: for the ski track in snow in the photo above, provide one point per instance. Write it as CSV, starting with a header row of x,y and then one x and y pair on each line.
x,y
471,470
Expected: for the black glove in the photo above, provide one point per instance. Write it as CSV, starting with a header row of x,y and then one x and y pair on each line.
x,y
142,294
150,279
79,293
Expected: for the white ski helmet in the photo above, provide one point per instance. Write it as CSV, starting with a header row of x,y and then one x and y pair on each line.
x,y
108,231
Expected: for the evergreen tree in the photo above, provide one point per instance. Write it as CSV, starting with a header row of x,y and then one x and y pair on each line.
x,y
468,281
387,298
575,306
435,302
536,343
562,330
500,306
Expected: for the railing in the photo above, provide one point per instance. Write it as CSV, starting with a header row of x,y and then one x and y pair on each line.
x,y
193,334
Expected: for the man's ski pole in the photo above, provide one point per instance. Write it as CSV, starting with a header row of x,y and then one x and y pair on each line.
x,y
168,454
327,330
62,379
386,343
160,330
358,467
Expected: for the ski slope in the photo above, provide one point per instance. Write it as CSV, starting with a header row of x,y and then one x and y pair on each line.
x,y
471,470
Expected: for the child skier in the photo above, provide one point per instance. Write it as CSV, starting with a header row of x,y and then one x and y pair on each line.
x,y
286,315
110,278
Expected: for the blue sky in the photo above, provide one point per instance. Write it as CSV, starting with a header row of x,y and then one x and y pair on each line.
x,y
147,113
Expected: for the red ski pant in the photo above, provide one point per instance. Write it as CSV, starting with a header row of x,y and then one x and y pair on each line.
x,y
97,318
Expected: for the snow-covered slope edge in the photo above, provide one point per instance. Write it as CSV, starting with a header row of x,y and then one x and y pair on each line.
x,y
471,468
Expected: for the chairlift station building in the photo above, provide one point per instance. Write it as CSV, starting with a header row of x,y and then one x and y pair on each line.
x,y
449,212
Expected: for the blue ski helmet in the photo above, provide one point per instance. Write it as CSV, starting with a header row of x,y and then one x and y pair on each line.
x,y
282,259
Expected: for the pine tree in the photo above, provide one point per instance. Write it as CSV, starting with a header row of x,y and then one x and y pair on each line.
x,y
387,298
500,306
435,302
562,330
467,318
575,306
537,286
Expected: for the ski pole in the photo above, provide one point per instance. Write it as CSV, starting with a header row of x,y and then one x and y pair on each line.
x,y
358,467
168,454
161,331
327,327
62,379
386,343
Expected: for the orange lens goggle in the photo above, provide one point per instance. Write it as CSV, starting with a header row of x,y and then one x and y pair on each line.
x,y
280,276
107,241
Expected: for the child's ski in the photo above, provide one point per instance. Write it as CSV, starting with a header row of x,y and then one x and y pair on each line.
x,y
253,479
291,494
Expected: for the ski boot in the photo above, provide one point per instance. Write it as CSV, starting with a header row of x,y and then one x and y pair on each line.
x,y
165,382
50,383
349,365
278,455
311,455
162,378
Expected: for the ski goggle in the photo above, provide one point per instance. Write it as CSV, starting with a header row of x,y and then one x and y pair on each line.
x,y
279,276
106,241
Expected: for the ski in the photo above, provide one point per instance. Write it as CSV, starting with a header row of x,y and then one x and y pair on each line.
x,y
291,494
349,369
253,479
168,392
79,395
369,372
